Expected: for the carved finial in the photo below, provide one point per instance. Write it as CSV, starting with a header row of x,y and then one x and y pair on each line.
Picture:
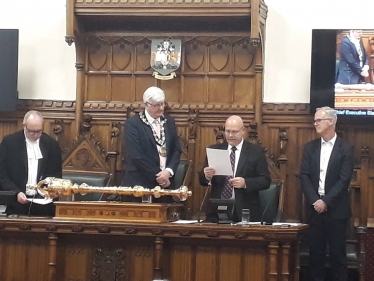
x,y
283,142
365,151
114,132
70,40
220,135
57,128
86,124
193,119
252,133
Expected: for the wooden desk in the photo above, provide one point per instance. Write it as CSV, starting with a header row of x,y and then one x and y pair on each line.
x,y
36,249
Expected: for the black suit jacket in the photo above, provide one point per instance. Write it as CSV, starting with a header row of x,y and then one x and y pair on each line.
x,y
252,166
349,68
14,164
142,159
338,177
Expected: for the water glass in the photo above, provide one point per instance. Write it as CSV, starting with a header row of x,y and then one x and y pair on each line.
x,y
245,216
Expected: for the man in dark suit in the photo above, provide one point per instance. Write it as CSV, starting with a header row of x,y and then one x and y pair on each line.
x,y
26,157
353,65
151,145
251,173
325,175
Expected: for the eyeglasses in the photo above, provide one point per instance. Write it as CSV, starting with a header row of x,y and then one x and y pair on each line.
x,y
157,105
319,120
233,133
32,132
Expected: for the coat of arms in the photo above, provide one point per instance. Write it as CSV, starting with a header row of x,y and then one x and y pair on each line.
x,y
165,57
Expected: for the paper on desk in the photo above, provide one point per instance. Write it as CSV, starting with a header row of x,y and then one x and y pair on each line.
x,y
40,201
219,160
184,221
287,223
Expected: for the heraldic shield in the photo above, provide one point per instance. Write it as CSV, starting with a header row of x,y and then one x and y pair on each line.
x,y
165,57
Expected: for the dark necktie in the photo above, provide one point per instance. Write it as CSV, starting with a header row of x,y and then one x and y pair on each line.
x,y
227,189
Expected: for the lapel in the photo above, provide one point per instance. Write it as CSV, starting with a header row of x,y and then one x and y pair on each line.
x,y
317,156
241,162
334,155
23,154
148,133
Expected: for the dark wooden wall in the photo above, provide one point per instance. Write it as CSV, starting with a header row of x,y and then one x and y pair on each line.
x,y
290,122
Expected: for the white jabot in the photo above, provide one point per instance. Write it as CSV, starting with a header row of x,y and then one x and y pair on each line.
x,y
326,149
33,155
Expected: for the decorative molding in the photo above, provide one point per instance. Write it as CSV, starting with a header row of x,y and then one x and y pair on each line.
x,y
261,233
286,108
120,3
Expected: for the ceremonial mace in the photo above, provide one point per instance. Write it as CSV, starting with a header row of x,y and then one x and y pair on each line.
x,y
53,187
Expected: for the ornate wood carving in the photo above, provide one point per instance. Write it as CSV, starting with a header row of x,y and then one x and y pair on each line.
x,y
109,264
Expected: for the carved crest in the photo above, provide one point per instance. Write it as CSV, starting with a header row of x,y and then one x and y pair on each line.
x,y
165,57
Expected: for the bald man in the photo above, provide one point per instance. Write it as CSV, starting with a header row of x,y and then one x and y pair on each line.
x,y
26,157
250,170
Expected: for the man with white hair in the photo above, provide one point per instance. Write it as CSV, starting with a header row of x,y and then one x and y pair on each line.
x,y
27,157
325,175
152,149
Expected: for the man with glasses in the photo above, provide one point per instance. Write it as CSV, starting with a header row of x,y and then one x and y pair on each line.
x,y
250,172
152,149
27,157
326,171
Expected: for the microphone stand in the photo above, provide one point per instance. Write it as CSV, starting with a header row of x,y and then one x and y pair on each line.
x,y
203,201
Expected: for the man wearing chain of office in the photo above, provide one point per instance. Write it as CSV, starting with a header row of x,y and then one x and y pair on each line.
x,y
152,149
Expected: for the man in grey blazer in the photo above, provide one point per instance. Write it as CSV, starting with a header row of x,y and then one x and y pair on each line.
x,y
251,172
26,157
326,171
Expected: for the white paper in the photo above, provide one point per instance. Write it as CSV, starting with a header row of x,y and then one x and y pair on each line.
x,y
287,224
40,201
219,159
184,221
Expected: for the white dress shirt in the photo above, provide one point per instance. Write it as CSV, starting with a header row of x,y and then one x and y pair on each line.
x,y
326,149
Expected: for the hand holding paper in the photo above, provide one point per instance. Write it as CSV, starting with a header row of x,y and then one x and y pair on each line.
x,y
219,160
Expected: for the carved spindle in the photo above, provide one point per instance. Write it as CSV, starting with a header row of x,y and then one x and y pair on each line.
x,y
157,270
52,256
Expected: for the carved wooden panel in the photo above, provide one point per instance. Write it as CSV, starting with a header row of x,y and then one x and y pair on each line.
x,y
213,69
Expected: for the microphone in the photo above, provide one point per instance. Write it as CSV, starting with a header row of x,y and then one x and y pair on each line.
x,y
266,208
203,201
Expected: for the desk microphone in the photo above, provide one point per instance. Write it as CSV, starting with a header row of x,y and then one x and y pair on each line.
x,y
203,201
266,208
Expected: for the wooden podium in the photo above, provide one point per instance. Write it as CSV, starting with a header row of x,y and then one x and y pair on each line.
x,y
118,211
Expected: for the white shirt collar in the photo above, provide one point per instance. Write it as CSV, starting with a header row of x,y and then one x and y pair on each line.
x,y
150,119
238,147
332,141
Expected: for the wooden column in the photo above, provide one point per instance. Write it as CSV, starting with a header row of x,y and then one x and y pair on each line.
x,y
157,270
286,261
52,256
273,261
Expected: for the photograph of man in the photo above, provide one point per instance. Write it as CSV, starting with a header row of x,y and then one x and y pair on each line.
x,y
251,173
152,149
353,66
325,174
27,157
